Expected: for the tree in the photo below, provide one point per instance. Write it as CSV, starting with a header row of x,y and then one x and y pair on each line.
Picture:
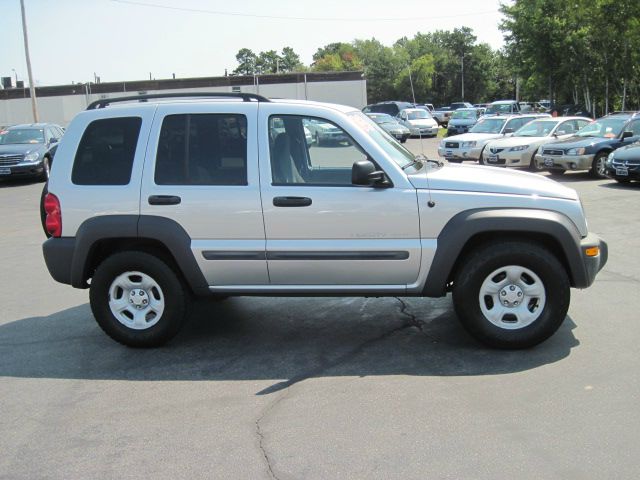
x,y
246,62
290,61
268,62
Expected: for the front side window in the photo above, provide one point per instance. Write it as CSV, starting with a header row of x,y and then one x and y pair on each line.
x,y
311,151
202,149
106,152
516,123
634,127
536,129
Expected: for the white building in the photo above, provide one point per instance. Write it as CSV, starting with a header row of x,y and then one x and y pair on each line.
x,y
59,104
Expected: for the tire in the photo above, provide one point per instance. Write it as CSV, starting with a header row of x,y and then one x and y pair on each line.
x,y
403,140
317,140
598,165
481,159
43,213
525,262
557,172
46,170
532,164
135,328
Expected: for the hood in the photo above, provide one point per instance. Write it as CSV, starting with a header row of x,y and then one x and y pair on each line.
x,y
476,178
20,148
507,142
576,142
469,137
630,152
422,122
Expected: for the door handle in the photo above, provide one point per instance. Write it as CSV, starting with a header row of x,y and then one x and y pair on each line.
x,y
164,200
291,201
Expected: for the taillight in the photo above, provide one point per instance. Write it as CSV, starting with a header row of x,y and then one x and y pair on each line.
x,y
54,215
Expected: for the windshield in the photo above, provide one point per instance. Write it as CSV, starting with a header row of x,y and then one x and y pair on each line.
x,y
22,135
418,114
390,145
499,108
382,118
488,125
603,128
464,114
536,129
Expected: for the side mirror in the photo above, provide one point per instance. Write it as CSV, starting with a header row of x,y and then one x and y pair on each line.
x,y
364,173
560,132
508,130
626,134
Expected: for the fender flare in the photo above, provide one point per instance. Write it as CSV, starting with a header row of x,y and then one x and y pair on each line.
x,y
465,225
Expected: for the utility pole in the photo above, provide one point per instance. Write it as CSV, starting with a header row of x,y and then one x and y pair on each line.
x,y
462,71
32,88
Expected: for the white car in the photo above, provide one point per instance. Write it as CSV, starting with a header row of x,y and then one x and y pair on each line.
x,y
419,122
519,150
469,146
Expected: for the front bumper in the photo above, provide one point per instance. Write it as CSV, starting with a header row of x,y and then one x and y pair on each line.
x,y
467,153
620,171
505,158
565,162
417,131
24,169
594,264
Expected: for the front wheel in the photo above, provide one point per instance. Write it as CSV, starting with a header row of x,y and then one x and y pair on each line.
x,y
511,295
46,169
137,299
598,165
533,166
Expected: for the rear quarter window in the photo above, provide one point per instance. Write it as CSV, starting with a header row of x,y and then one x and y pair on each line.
x,y
106,152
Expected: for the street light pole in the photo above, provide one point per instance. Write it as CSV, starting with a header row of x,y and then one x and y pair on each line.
x,y
32,88
462,99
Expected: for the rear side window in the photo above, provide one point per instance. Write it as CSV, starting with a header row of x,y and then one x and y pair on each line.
x,y
202,149
106,151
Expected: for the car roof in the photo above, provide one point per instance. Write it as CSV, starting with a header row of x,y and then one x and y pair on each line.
x,y
499,102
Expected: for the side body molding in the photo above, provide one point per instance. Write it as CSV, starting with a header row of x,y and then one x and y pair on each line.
x,y
465,225
149,227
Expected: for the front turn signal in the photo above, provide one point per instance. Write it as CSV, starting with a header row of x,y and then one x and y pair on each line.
x,y
592,251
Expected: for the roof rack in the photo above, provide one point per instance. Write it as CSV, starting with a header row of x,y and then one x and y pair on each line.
x,y
246,97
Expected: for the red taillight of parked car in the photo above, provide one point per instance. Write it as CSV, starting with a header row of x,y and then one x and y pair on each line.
x,y
54,215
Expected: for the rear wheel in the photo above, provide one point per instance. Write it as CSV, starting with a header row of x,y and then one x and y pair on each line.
x,y
598,165
137,299
514,294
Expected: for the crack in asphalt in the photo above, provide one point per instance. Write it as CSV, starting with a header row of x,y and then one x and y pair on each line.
x,y
412,321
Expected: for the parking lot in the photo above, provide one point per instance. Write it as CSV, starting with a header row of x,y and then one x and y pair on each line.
x,y
319,388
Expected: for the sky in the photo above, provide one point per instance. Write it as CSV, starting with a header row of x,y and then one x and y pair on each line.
x,y
118,40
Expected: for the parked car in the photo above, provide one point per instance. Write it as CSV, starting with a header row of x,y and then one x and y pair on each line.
x,y
28,150
419,122
428,106
518,150
390,108
391,126
277,219
469,146
503,107
481,105
322,132
589,148
462,120
623,164
443,114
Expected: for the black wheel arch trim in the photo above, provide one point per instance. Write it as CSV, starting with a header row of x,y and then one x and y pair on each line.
x,y
140,227
465,225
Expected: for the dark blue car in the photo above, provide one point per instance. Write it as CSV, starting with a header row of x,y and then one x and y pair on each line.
x,y
28,150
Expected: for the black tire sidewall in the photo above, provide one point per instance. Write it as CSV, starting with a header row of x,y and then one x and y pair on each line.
x,y
594,167
172,289
543,264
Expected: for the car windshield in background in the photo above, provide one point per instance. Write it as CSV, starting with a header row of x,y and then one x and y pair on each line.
x,y
382,118
418,115
603,128
397,152
488,125
464,114
22,135
536,129
501,108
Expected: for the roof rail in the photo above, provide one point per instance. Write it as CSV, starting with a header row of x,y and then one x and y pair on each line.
x,y
631,112
246,97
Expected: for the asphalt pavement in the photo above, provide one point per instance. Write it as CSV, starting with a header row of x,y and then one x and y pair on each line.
x,y
319,388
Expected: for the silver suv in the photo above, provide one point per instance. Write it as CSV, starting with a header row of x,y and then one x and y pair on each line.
x,y
150,202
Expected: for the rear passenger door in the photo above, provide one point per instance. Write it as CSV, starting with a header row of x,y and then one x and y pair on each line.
x,y
201,170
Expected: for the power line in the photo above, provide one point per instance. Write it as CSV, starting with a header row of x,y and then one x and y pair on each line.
x,y
309,19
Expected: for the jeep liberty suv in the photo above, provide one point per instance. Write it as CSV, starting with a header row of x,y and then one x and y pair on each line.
x,y
151,202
